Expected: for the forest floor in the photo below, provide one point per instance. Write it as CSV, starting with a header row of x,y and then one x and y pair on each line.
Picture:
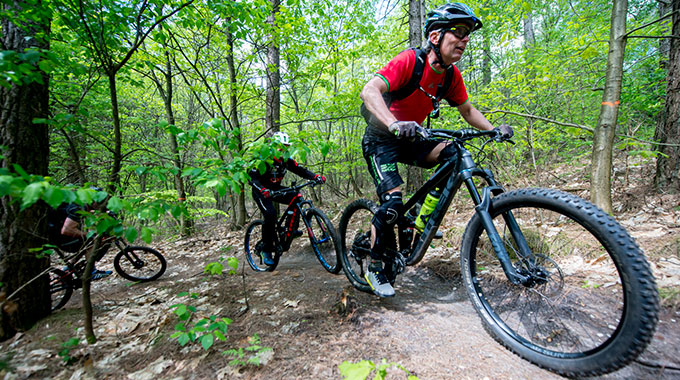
x,y
314,321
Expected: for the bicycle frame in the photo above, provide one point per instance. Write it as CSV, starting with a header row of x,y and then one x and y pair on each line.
x,y
73,260
290,217
466,170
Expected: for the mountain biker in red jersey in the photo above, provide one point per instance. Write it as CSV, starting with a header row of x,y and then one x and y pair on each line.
x,y
265,183
394,120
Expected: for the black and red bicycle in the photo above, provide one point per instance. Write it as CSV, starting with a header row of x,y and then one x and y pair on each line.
x,y
134,263
322,235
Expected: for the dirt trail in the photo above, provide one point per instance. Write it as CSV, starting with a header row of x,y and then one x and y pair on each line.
x,y
432,330
429,328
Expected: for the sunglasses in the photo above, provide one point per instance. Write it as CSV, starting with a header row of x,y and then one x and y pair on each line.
x,y
460,31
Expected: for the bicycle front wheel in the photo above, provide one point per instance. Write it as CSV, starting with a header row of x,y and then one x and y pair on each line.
x,y
355,238
139,263
61,288
253,246
591,306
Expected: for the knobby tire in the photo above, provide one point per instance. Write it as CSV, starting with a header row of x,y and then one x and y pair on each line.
x,y
253,246
61,288
139,263
355,238
324,240
596,307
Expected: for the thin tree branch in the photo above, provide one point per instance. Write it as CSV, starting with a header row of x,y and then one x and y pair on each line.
x,y
151,28
653,37
650,23
583,127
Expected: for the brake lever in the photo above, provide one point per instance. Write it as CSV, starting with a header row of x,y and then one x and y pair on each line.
x,y
423,133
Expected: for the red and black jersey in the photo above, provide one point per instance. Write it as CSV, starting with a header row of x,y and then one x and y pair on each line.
x,y
416,106
272,177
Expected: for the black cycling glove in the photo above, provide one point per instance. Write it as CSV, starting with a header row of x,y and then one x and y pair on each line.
x,y
505,131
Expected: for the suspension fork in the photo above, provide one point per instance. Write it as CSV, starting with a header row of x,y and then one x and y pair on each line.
x,y
483,204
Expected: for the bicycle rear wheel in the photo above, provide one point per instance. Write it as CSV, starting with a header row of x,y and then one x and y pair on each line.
x,y
253,246
592,304
324,240
355,238
61,288
139,263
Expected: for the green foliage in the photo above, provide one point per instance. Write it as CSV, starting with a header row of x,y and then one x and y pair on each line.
x,y
24,68
361,370
5,361
216,268
248,355
329,50
204,331
66,348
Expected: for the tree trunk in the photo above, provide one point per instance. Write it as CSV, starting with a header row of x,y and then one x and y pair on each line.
x,y
114,176
186,223
603,141
273,110
240,206
665,43
27,145
667,178
75,173
416,14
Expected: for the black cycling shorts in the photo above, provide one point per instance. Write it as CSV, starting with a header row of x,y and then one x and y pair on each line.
x,y
383,152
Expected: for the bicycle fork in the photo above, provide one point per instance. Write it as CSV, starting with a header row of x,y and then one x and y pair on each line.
x,y
482,210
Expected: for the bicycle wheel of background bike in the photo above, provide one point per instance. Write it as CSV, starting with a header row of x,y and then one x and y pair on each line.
x,y
593,307
324,240
355,238
139,263
253,247
60,288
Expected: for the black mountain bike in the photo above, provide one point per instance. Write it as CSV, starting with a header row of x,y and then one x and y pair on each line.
x,y
133,263
322,236
554,279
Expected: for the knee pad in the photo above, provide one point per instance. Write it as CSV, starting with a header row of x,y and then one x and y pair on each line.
x,y
391,207
447,153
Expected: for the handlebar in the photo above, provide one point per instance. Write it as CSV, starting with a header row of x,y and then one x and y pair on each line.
x,y
295,188
460,134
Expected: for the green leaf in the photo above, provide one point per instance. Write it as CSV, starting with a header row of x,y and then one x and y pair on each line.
x,y
85,196
181,309
54,196
233,263
325,147
176,211
115,204
32,193
183,339
358,371
219,335
131,234
146,235
207,341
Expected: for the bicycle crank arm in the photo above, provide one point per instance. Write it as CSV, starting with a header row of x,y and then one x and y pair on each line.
x,y
482,210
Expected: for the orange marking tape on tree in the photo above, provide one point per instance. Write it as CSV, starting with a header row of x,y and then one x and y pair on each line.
x,y
610,103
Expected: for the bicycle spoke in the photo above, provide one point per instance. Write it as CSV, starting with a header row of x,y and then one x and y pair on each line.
x,y
355,232
566,316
